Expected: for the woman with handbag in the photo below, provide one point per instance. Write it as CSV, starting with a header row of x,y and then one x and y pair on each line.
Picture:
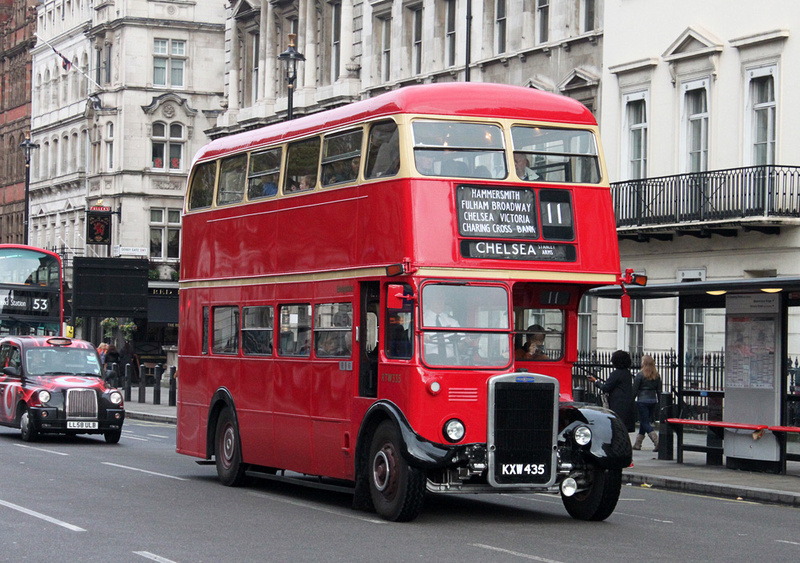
x,y
647,389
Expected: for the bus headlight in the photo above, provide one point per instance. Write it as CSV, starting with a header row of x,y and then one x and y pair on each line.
x,y
582,435
454,430
44,396
115,397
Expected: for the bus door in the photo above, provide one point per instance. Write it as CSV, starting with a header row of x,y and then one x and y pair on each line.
x,y
368,339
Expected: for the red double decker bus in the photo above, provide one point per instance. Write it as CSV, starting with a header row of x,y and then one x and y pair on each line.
x,y
386,294
30,291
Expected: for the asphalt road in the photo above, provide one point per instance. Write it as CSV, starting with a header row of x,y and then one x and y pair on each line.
x,y
82,500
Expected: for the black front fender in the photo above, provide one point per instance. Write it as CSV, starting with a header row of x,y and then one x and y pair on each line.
x,y
610,447
416,450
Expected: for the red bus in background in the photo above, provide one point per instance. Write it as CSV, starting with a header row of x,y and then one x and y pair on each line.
x,y
387,294
30,291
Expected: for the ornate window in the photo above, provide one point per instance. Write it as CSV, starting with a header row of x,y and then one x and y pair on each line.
x,y
168,140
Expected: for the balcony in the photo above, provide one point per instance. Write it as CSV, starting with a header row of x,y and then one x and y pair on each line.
x,y
722,202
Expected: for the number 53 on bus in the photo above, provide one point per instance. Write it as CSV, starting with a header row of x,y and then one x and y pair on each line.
x,y
386,295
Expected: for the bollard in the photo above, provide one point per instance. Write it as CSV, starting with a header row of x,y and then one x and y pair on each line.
x,y
665,446
128,380
173,387
142,381
157,385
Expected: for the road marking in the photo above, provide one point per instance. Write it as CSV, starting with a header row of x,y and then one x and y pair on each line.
x,y
515,553
158,436
143,471
318,508
42,516
136,438
153,557
787,541
40,449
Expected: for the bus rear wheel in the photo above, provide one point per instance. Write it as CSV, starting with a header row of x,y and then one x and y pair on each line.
x,y
228,450
599,499
396,488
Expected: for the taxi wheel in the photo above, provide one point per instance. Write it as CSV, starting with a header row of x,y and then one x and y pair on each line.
x,y
228,451
28,429
112,436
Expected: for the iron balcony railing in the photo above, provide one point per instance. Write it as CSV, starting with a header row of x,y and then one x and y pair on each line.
x,y
716,195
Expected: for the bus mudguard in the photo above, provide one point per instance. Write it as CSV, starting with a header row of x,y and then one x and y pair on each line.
x,y
610,447
222,398
416,450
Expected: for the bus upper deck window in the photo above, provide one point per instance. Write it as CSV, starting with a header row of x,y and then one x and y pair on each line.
x,y
231,180
302,159
263,174
383,150
201,192
341,157
556,155
461,149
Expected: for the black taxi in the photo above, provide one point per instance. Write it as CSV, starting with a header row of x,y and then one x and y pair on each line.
x,y
55,385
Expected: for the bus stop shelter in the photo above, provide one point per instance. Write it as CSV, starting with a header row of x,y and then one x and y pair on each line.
x,y
760,384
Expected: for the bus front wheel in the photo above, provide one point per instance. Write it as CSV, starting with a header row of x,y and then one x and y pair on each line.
x,y
228,450
599,499
397,489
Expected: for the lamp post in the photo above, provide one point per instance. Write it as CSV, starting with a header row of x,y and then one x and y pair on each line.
x,y
27,147
290,57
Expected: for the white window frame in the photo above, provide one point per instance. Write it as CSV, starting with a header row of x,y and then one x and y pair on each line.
x,y
417,28
385,35
170,58
628,130
500,27
165,226
752,74
543,21
109,146
634,329
588,16
336,40
689,122
451,25
168,141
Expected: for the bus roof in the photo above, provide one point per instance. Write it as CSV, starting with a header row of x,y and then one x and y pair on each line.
x,y
463,99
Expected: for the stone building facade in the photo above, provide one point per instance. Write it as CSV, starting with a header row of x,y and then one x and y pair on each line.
x,y
18,26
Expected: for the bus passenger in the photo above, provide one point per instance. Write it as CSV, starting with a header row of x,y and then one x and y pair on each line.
x,y
521,165
307,182
533,349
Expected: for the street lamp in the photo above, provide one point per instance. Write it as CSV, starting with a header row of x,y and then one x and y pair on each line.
x,y
27,147
290,56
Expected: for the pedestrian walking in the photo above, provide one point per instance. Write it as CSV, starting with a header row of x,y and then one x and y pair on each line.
x,y
647,390
619,387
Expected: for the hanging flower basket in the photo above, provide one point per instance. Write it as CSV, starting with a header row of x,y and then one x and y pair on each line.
x,y
109,324
128,329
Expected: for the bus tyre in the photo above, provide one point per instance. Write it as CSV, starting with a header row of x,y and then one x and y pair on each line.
x,y
397,489
27,427
112,436
228,450
598,501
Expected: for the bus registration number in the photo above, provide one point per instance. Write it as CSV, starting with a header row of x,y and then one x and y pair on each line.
x,y
81,425
523,468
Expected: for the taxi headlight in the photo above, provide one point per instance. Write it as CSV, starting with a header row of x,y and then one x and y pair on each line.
x,y
44,396
454,430
582,435
115,397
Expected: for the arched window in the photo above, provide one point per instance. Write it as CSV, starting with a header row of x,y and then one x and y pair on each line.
x,y
168,140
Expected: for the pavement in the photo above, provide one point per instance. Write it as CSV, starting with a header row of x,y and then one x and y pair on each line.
x,y
692,476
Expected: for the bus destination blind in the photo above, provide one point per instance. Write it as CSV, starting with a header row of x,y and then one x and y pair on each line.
x,y
487,212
